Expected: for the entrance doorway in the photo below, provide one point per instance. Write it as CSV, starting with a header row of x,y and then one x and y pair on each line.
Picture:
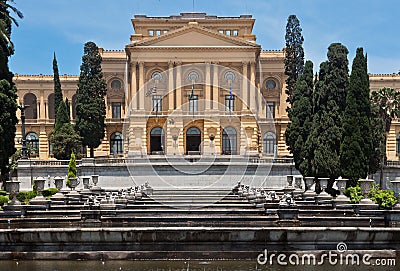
x,y
193,141
157,141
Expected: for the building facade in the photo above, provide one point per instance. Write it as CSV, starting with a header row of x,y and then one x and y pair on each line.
x,y
187,84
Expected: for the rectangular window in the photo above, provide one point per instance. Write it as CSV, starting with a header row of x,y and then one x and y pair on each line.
x,y
194,104
151,32
221,31
158,32
116,110
228,32
157,103
229,103
270,110
165,31
235,32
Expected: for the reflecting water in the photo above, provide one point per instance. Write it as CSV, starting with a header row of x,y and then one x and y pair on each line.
x,y
168,266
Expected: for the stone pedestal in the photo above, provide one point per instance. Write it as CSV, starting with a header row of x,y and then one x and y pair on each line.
x,y
309,194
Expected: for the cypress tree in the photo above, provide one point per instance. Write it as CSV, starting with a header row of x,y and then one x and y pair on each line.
x,y
300,117
8,91
90,106
65,139
356,146
330,93
294,55
378,137
61,116
58,96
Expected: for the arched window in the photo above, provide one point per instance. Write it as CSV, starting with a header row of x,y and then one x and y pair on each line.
x,y
270,84
32,140
31,111
398,144
116,84
269,143
193,131
229,141
193,77
50,107
116,143
157,76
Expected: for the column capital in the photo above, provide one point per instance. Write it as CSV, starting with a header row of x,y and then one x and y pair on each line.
x,y
170,64
141,63
178,62
216,62
245,63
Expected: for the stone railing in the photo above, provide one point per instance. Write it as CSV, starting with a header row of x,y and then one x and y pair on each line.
x,y
392,163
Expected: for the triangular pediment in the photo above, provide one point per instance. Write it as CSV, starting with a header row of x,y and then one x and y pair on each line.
x,y
194,36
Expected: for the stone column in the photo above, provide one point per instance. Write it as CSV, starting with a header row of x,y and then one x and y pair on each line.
x,y
171,95
42,107
133,87
141,85
261,105
215,101
252,92
244,87
179,85
208,87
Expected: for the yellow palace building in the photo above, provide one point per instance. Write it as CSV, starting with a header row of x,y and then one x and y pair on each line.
x,y
185,85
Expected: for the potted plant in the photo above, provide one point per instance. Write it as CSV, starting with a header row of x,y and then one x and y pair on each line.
x,y
72,181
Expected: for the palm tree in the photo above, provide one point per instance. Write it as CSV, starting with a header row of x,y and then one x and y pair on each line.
x,y
6,20
388,101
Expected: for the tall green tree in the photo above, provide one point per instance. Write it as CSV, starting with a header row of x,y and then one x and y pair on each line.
x,y
65,139
300,116
90,106
294,55
326,134
378,140
356,146
58,96
61,116
8,91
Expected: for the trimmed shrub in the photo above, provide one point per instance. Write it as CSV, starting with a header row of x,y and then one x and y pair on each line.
x,y
3,200
49,192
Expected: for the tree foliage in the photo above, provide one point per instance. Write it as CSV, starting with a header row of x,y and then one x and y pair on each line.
x,y
388,102
356,146
8,91
323,143
90,106
300,116
72,166
65,139
294,55
378,140
8,120
61,116
58,96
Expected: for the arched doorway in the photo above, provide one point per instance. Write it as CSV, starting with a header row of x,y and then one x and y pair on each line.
x,y
157,141
193,140
116,143
31,101
229,141
32,141
50,106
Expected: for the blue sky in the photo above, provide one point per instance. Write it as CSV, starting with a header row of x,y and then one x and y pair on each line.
x,y
65,25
